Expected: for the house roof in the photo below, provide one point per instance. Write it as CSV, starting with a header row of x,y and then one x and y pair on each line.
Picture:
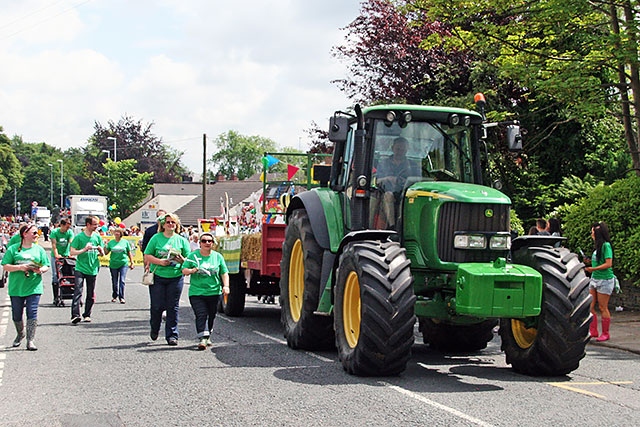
x,y
237,191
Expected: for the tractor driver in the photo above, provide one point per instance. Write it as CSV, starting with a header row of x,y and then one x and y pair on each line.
x,y
392,174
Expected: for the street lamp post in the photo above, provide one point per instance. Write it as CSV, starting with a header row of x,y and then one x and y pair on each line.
x,y
51,188
115,155
61,183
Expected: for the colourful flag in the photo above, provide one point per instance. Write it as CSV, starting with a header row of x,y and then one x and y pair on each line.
x,y
291,171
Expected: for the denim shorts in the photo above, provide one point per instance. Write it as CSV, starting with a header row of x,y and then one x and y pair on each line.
x,y
602,286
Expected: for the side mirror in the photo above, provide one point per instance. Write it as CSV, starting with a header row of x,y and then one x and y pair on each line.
x,y
338,128
514,138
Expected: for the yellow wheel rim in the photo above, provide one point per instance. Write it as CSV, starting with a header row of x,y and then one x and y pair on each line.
x,y
351,310
296,281
524,336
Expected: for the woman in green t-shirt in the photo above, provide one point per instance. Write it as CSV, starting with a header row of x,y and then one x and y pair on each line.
x,y
26,262
120,251
164,255
602,279
209,278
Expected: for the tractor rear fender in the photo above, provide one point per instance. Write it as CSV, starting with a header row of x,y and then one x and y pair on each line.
x,y
324,210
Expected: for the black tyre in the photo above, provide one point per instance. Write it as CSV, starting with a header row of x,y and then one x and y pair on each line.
x,y
233,303
374,309
554,342
300,287
457,338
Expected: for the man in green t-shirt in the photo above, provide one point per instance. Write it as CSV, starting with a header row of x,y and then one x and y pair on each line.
x,y
16,237
61,239
86,246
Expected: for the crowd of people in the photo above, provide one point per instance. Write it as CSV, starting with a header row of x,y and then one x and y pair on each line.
x,y
168,254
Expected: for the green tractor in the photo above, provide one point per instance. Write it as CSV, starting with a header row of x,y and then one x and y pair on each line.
x,y
363,258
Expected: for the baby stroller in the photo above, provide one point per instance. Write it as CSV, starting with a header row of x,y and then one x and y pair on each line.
x,y
66,279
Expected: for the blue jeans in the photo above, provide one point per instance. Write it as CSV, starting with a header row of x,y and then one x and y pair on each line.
x,y
54,271
19,303
77,294
165,295
205,309
118,276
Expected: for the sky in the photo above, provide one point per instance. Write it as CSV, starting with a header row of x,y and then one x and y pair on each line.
x,y
194,67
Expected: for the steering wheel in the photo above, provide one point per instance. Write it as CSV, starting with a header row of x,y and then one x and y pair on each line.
x,y
442,175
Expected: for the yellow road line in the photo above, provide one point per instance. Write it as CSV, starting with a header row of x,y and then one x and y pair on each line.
x,y
570,387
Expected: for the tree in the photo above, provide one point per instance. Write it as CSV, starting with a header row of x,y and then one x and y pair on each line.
x,y
389,63
240,155
134,140
123,186
319,140
10,174
580,54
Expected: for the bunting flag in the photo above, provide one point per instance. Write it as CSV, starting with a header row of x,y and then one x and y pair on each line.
x,y
268,161
291,171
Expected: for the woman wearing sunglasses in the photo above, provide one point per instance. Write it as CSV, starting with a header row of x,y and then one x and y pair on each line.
x,y
165,254
210,277
26,262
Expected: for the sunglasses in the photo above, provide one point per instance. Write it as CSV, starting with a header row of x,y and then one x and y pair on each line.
x,y
206,241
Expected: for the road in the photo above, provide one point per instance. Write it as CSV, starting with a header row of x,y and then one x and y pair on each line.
x,y
109,373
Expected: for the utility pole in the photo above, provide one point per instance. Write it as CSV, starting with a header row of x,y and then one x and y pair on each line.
x,y
204,176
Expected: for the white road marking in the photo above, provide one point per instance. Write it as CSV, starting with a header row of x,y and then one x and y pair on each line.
x,y
437,405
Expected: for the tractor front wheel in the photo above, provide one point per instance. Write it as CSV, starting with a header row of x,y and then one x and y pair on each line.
x,y
554,342
374,309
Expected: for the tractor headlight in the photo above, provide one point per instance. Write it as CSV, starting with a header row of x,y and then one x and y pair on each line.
x,y
500,242
470,241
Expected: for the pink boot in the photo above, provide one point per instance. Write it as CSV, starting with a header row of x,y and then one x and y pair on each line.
x,y
606,321
593,329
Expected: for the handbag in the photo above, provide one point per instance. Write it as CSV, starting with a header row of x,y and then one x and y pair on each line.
x,y
147,277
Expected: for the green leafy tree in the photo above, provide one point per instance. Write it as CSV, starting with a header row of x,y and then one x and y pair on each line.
x,y
581,55
616,205
240,155
134,140
123,186
10,174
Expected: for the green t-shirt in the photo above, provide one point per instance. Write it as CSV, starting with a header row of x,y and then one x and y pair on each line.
x,y
206,284
87,262
21,285
118,253
63,240
14,239
159,246
607,252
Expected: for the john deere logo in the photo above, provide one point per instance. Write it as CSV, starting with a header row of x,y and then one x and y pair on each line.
x,y
488,213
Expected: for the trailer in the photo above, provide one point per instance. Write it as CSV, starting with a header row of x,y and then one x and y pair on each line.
x,y
251,242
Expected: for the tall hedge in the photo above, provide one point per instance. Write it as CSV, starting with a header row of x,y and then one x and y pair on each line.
x,y
618,205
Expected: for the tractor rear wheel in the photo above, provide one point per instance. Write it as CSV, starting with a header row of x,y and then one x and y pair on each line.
x,y
457,338
554,342
300,287
374,309
233,303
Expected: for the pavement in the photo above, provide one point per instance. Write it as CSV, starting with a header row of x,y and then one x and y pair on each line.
x,y
624,329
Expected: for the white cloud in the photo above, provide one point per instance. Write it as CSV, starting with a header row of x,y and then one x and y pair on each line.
x,y
258,67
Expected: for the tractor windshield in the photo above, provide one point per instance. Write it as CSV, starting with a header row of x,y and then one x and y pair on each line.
x,y
422,151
